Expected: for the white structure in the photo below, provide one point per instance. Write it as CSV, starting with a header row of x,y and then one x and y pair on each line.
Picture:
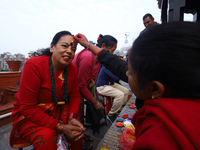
x,y
126,45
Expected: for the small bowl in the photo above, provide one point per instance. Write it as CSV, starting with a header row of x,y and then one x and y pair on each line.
x,y
129,119
120,119
119,124
132,106
125,115
104,148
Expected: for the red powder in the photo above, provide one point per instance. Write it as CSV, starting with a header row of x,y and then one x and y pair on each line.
x,y
119,124
125,115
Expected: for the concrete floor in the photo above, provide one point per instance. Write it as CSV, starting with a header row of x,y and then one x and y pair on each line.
x,y
98,137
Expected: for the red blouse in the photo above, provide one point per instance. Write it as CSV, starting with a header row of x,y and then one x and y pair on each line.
x,y
35,88
168,123
88,68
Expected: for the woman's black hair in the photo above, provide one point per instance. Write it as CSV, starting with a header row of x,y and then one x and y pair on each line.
x,y
169,53
108,40
55,40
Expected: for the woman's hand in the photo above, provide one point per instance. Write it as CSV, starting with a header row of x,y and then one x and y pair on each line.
x,y
81,39
98,106
74,130
77,123
91,83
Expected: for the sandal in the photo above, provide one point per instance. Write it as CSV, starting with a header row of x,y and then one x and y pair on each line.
x,y
88,138
87,146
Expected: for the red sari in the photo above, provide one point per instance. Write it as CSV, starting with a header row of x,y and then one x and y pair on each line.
x,y
168,123
34,115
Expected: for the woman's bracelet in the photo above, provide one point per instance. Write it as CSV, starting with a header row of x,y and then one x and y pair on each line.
x,y
59,128
88,46
97,104
99,52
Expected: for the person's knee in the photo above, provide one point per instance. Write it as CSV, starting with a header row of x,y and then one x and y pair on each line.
x,y
120,95
45,138
126,91
51,136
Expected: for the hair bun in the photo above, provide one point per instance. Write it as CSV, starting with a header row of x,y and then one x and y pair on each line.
x,y
100,37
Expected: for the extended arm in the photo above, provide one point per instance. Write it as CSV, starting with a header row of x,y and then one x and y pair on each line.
x,y
113,63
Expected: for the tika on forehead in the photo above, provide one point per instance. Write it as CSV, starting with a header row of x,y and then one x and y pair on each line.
x,y
72,42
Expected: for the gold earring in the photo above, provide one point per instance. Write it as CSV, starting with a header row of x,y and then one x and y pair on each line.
x,y
155,96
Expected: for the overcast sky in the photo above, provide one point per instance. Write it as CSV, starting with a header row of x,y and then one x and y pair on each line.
x,y
28,25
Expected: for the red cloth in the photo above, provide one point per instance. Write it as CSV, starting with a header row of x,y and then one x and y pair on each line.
x,y
45,138
88,68
35,89
168,123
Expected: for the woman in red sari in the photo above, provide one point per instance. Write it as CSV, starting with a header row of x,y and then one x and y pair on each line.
x,y
48,99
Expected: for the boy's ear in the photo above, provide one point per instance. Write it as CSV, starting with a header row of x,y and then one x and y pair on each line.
x,y
103,46
51,48
158,90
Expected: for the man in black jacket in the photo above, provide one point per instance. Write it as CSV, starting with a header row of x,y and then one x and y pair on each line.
x,y
118,67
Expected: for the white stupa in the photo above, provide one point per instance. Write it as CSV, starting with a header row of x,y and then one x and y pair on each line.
x,y
126,45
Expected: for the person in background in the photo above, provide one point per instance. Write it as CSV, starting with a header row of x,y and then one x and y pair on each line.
x,y
92,42
48,99
120,54
167,79
148,22
116,66
159,3
107,85
88,69
128,51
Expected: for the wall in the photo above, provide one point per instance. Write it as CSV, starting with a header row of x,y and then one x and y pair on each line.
x,y
8,88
